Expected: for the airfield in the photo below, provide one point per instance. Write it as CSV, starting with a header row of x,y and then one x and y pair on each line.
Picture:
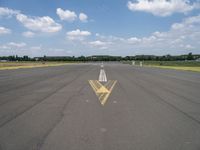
x,y
99,106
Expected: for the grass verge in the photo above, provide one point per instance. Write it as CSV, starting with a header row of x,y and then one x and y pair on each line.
x,y
177,65
196,69
19,65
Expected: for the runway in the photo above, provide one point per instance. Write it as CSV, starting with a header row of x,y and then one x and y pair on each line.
x,y
56,108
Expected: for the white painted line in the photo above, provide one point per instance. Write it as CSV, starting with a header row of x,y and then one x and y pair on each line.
x,y
102,65
102,76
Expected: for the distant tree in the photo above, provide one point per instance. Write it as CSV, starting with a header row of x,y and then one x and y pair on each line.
x,y
168,57
25,58
190,57
44,58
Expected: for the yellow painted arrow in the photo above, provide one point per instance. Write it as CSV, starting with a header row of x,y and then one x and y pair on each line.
x,y
102,91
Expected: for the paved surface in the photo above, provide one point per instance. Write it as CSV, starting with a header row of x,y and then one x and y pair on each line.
x,y
55,108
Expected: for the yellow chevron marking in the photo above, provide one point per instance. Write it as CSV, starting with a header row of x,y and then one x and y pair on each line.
x,y
102,91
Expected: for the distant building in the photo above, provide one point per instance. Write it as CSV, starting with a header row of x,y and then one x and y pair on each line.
x,y
198,59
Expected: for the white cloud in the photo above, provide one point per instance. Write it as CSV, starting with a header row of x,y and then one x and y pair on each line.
x,y
134,40
16,45
109,38
97,34
13,48
187,30
70,16
163,7
97,43
4,47
188,46
182,37
187,24
4,11
43,24
83,17
4,30
177,26
100,44
28,34
77,34
66,15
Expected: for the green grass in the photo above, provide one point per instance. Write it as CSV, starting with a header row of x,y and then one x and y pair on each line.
x,y
172,63
196,69
178,65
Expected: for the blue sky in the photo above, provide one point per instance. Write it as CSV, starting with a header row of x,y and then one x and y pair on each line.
x,y
92,27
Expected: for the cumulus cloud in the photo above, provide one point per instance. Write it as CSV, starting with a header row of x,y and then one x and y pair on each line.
x,y
187,24
4,11
17,45
83,17
28,34
100,44
188,46
182,37
163,7
4,30
13,48
133,40
66,15
77,34
109,38
42,24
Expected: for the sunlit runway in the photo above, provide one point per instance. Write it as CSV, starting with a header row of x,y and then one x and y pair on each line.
x,y
56,108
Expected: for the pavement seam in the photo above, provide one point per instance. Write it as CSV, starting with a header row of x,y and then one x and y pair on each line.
x,y
164,101
171,91
31,83
42,99
40,145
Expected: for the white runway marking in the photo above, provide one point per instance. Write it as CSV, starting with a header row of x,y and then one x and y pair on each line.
x,y
102,76
102,65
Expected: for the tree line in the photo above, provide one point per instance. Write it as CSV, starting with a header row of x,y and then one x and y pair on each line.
x,y
189,56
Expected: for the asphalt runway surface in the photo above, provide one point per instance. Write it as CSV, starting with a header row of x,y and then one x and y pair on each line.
x,y
55,108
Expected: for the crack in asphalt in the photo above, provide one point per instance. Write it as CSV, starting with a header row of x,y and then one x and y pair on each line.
x,y
30,107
